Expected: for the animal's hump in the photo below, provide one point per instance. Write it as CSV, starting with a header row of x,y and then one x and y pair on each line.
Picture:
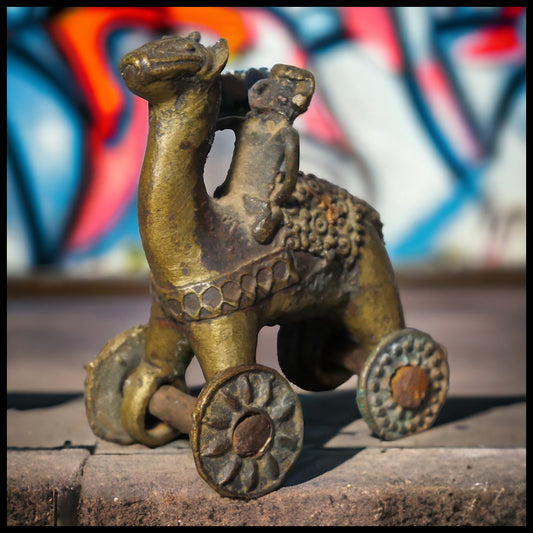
x,y
327,221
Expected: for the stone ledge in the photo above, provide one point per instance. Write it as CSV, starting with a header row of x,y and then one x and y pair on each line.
x,y
43,486
438,486
350,486
467,470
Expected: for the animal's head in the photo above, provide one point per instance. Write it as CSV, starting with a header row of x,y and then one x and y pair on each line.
x,y
160,69
288,90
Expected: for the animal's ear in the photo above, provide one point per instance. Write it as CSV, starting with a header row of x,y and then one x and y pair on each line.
x,y
194,36
220,56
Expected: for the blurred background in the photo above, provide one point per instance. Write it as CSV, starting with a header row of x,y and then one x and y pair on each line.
x,y
421,111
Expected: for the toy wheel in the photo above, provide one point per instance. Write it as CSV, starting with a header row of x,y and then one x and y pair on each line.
x,y
403,385
103,385
309,351
247,431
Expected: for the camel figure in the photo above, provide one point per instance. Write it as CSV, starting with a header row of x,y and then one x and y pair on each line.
x,y
322,273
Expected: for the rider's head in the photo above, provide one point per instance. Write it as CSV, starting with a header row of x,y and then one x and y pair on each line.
x,y
288,90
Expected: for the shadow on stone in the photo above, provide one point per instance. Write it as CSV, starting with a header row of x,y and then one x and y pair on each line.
x,y
24,401
458,407
333,410
314,462
326,413
329,411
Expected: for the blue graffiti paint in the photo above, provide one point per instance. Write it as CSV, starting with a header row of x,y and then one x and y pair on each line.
x,y
48,137
419,242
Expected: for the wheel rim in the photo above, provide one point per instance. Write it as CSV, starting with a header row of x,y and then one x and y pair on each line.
x,y
247,431
104,381
403,385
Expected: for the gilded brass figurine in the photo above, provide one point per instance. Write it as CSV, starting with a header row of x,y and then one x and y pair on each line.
x,y
273,246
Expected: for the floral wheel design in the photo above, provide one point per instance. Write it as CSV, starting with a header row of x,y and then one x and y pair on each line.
x,y
103,384
247,431
403,385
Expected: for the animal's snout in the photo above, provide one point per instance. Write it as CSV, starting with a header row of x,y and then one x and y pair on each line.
x,y
133,68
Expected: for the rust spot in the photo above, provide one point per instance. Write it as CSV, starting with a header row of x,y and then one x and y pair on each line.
x,y
331,216
167,323
251,435
409,386
325,201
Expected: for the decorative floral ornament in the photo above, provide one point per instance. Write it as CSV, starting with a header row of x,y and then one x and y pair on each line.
x,y
247,431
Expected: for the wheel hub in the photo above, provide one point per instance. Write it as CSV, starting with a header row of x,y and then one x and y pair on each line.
x,y
409,386
252,435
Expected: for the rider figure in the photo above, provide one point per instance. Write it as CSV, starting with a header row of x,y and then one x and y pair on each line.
x,y
268,144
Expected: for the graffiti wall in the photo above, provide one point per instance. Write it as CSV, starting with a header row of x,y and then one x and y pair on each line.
x,y
420,111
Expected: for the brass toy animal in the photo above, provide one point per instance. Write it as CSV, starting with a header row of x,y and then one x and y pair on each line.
x,y
273,246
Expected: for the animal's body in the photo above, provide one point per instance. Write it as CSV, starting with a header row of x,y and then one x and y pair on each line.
x,y
214,285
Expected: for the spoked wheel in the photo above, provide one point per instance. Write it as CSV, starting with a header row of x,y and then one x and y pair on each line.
x,y
403,385
247,431
103,385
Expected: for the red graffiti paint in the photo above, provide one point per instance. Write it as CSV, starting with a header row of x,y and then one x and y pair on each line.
x,y
81,34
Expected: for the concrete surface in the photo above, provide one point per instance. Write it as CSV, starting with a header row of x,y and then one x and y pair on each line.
x,y
469,469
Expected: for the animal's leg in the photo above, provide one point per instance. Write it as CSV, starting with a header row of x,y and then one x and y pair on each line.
x,y
376,309
403,372
167,355
248,424
224,342
323,352
167,347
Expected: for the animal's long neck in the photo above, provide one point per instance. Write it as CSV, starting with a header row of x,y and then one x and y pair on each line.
x,y
172,195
